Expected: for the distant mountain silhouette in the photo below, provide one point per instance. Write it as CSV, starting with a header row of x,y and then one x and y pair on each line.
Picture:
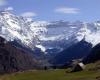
x,y
76,51
94,55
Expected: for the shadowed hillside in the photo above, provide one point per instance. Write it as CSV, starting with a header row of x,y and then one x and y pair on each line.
x,y
94,55
14,59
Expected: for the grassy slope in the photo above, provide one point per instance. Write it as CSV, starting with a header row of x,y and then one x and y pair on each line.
x,y
55,75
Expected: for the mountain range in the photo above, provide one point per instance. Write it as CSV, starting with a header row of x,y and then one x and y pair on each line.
x,y
55,43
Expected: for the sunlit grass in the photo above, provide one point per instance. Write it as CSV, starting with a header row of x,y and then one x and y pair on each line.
x,y
52,75
57,74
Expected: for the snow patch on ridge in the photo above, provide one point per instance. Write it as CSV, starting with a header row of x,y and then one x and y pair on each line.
x,y
43,49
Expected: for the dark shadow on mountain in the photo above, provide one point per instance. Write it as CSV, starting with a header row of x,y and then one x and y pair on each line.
x,y
94,55
76,51
14,59
37,53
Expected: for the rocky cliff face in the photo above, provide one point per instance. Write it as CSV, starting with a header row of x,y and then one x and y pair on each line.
x,y
14,59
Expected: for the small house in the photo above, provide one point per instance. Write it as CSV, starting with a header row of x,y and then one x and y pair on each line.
x,y
78,67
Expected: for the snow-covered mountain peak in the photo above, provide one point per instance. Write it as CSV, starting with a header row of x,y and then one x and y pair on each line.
x,y
91,34
46,35
14,27
83,32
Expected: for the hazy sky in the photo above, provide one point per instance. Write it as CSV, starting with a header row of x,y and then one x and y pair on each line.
x,y
50,10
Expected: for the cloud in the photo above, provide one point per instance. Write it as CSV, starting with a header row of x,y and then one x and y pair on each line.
x,y
67,10
3,2
9,9
28,14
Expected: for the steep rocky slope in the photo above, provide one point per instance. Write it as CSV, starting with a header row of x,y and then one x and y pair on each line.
x,y
15,59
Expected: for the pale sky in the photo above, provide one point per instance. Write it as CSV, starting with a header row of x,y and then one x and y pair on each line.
x,y
52,10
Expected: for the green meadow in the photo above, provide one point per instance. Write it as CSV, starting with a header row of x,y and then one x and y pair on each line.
x,y
92,72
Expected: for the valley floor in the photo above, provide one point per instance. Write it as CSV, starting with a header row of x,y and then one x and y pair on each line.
x,y
61,74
